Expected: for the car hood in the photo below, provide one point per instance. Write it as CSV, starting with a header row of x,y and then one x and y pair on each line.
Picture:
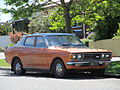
x,y
78,50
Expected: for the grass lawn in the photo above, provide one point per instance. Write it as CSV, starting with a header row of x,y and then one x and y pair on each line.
x,y
3,63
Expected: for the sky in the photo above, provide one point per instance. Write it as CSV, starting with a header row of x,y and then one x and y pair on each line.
x,y
6,17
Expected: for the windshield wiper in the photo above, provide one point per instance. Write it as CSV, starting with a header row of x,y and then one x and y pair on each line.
x,y
66,44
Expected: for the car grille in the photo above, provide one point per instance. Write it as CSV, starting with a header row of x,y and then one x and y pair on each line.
x,y
92,56
95,56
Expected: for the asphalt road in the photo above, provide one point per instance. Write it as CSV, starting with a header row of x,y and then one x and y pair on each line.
x,y
37,81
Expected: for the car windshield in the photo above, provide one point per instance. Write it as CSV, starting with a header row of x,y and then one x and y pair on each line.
x,y
64,40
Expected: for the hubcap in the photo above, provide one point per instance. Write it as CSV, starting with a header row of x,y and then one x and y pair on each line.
x,y
18,67
59,68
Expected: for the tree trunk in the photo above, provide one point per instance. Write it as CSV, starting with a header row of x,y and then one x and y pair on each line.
x,y
66,7
67,20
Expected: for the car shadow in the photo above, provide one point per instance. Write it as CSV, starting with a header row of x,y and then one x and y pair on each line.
x,y
71,76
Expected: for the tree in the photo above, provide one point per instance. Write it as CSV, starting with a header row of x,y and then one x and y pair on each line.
x,y
23,8
39,24
5,28
66,9
104,16
92,12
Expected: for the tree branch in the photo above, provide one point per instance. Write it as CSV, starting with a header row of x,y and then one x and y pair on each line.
x,y
69,3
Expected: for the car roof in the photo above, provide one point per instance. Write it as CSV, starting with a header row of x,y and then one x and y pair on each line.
x,y
48,34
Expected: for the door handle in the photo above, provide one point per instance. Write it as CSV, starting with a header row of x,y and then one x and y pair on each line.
x,y
34,51
20,49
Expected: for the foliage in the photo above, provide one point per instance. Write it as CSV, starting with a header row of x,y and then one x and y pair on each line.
x,y
106,29
113,68
23,8
10,45
15,37
116,37
39,24
5,28
118,31
86,41
91,36
102,16
57,20
1,49
3,63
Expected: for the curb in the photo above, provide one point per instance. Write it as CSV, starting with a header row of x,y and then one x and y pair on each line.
x,y
5,68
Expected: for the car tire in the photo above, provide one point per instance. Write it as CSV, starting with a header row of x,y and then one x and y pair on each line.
x,y
59,69
18,67
98,72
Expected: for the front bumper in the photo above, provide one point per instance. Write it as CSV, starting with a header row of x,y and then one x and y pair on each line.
x,y
89,63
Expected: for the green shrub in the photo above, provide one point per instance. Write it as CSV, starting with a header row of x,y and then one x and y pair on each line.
x,y
116,37
118,31
86,41
113,68
91,36
1,49
10,45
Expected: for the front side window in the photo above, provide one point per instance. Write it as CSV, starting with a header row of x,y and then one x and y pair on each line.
x,y
64,40
40,42
29,41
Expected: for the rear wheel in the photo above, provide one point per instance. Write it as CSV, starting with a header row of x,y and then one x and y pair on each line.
x,y
98,72
59,69
18,67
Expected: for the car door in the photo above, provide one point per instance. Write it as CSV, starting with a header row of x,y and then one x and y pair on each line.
x,y
40,54
26,52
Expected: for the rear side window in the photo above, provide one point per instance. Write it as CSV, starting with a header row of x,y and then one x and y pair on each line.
x,y
40,42
29,41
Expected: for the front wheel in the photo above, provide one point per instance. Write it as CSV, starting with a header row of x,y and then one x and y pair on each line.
x,y
59,69
18,68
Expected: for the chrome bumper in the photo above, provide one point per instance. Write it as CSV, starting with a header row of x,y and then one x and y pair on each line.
x,y
88,63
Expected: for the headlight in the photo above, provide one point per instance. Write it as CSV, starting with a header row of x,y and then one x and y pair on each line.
x,y
73,56
106,56
76,56
103,55
79,56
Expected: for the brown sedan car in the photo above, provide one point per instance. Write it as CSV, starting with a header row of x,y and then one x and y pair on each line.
x,y
57,53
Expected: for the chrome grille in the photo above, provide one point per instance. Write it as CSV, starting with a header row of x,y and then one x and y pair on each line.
x,y
92,56
96,56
